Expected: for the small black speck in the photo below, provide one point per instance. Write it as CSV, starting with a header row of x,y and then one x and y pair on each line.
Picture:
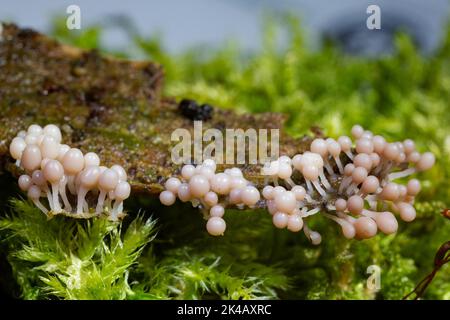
x,y
191,110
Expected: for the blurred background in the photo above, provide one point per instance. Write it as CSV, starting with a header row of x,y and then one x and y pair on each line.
x,y
183,24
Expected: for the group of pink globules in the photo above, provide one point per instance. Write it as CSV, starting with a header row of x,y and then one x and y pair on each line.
x,y
350,183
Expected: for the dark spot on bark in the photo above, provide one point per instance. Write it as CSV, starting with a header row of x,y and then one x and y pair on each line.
x,y
96,109
78,135
132,171
191,110
26,33
49,87
220,126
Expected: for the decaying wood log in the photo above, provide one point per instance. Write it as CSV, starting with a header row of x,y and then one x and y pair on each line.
x,y
110,106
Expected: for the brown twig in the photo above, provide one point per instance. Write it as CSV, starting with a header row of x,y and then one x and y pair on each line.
x,y
442,257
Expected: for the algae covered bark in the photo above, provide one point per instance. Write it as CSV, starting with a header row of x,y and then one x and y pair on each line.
x,y
106,105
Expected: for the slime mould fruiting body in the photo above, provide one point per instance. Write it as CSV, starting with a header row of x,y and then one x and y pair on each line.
x,y
350,184
62,174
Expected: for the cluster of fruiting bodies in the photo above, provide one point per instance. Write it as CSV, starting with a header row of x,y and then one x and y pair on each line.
x,y
213,191
66,177
348,183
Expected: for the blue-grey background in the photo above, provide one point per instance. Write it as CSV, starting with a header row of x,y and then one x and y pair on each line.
x,y
184,24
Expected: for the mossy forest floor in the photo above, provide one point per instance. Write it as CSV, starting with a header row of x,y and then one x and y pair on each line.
x,y
165,253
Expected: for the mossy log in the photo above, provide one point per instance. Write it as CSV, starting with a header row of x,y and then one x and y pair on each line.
x,y
110,106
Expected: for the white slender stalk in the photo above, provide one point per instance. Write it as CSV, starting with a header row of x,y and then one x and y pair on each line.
x,y
71,184
327,166
319,188
339,164
49,197
101,200
324,181
311,212
275,181
40,206
345,216
309,187
344,183
81,199
349,154
401,174
290,182
55,198
62,192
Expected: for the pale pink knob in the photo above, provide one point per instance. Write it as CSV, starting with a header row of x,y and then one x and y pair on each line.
x,y
31,158
199,186
167,198
267,192
34,192
221,183
364,145
17,147
390,192
310,172
216,226
319,146
25,182
370,184
73,161
34,130
89,177
235,196
365,227
53,171
407,211
122,191
280,220
355,204
345,143
295,223
357,131
386,222
284,170
379,143
238,182
426,161
184,193
340,204
49,147
391,151
217,211
92,159
363,160
413,187
359,175
172,184
299,192
211,198
286,201
210,163
187,171
63,148
250,195
52,130
108,180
